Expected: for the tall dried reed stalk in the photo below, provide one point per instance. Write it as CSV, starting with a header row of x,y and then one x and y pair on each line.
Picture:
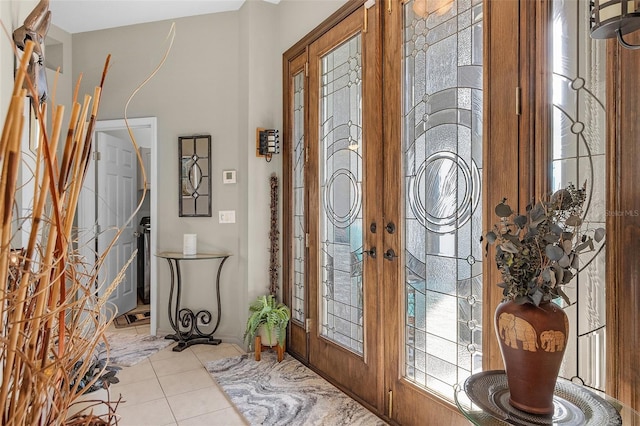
x,y
52,317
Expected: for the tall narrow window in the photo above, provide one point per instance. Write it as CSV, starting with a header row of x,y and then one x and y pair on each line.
x,y
578,124
299,224
442,161
341,177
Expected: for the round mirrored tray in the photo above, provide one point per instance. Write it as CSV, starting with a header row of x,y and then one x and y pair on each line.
x,y
574,405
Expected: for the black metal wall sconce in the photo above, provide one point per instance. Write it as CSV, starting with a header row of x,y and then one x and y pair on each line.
x,y
267,143
615,18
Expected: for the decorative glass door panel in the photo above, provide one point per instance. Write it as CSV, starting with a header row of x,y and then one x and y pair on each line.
x,y
296,200
578,123
341,177
299,223
343,180
442,168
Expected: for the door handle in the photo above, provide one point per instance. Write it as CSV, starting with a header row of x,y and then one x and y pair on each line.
x,y
391,227
371,252
390,254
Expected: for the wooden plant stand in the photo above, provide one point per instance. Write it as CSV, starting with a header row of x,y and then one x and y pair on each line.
x,y
259,347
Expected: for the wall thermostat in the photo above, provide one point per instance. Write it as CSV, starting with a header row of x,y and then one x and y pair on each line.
x,y
229,176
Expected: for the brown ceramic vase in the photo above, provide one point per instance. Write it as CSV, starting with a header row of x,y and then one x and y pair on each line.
x,y
532,341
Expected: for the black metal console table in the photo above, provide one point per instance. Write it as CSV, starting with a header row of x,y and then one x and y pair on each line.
x,y
183,320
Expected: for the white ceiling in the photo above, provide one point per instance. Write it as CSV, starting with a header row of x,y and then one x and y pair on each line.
x,y
76,16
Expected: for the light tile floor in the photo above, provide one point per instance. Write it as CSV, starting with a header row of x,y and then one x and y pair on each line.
x,y
174,388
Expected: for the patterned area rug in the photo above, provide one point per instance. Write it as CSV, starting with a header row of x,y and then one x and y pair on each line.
x,y
288,393
140,315
126,349
132,319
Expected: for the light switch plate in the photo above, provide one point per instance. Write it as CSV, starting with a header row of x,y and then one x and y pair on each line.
x,y
227,216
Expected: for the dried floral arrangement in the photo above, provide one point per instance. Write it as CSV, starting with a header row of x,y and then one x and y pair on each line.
x,y
538,252
274,235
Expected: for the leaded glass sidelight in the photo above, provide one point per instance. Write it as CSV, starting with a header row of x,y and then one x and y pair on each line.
x,y
299,227
341,176
442,162
578,122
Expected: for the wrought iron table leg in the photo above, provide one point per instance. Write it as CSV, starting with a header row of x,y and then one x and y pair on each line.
x,y
185,317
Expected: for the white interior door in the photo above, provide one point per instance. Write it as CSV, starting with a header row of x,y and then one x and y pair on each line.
x,y
116,184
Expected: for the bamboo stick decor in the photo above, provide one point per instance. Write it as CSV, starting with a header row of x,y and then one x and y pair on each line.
x,y
52,320
53,308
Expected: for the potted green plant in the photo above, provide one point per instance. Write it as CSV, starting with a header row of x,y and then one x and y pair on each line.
x,y
537,254
269,318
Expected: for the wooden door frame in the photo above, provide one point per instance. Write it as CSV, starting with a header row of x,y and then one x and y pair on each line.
x,y
502,146
623,222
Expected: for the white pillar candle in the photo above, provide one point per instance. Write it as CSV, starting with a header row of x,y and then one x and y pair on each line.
x,y
190,243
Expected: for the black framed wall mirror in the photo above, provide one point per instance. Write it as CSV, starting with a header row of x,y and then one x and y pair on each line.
x,y
194,157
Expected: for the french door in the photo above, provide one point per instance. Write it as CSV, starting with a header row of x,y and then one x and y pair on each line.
x,y
343,179
383,261
433,192
464,84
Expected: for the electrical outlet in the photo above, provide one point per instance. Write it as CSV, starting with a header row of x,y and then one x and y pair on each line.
x,y
227,216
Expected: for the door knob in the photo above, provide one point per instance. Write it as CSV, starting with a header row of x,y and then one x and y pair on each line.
x,y
371,252
390,254
391,227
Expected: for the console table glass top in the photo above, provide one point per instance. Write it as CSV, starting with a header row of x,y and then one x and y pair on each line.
x,y
185,322
182,256
484,400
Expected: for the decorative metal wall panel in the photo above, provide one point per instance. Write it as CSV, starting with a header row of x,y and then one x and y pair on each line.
x,y
578,155
341,176
299,225
442,160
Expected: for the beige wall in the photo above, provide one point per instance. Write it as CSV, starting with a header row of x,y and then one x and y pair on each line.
x,y
223,77
65,81
12,15
298,17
